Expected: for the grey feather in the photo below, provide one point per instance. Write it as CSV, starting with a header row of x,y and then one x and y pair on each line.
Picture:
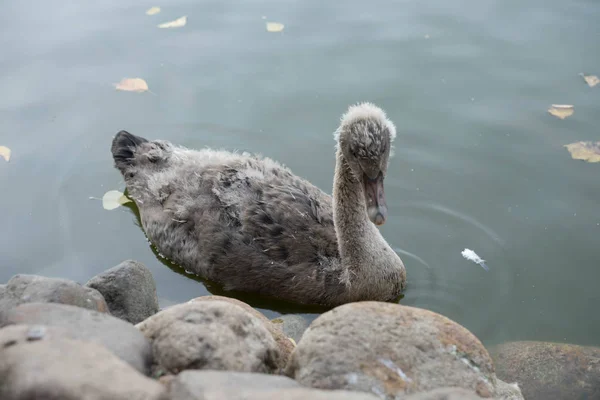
x,y
251,225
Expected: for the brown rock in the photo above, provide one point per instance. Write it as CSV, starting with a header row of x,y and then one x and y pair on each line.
x,y
22,289
390,350
213,335
286,346
37,362
550,370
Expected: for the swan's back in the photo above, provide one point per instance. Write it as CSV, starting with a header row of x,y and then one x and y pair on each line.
x,y
240,220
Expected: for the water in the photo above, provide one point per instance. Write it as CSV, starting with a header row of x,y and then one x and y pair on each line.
x,y
479,163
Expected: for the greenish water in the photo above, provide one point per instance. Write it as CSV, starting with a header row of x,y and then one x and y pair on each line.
x,y
479,162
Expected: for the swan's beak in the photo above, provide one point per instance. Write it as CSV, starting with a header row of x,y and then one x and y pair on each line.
x,y
375,198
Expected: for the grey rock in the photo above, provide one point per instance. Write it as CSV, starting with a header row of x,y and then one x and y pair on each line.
x,y
450,393
210,335
116,335
191,385
550,371
218,385
292,325
22,289
507,391
129,289
283,342
38,362
390,350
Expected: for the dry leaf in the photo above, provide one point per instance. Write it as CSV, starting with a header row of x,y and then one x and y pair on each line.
x,y
591,80
113,199
561,111
153,11
132,85
587,151
178,23
274,27
5,153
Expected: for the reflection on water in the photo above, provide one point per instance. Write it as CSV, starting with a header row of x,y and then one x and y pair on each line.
x,y
479,163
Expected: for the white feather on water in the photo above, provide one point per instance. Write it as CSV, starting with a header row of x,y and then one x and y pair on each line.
x,y
472,256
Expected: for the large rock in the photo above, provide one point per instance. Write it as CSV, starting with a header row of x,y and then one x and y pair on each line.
x,y
286,346
550,370
37,362
445,394
38,289
217,385
116,335
210,335
292,325
129,289
390,350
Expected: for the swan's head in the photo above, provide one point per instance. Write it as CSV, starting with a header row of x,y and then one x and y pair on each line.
x,y
365,138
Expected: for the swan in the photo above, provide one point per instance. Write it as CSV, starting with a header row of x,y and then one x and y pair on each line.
x,y
249,224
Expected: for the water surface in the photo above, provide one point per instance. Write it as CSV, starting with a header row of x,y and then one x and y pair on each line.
x,y
479,163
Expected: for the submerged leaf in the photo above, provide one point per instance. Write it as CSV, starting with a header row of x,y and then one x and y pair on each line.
x,y
178,23
591,80
561,111
113,199
274,27
586,151
153,11
5,153
132,85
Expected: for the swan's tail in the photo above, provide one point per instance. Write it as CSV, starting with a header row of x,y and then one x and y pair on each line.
x,y
123,147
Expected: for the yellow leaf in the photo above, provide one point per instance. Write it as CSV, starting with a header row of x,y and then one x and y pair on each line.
x,y
586,151
591,80
5,153
113,199
293,341
178,23
132,85
153,11
561,111
274,27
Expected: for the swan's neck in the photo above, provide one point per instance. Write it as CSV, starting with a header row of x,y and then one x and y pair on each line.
x,y
374,269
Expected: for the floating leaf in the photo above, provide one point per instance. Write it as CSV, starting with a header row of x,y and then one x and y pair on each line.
x,y
132,85
5,153
153,11
274,27
113,199
561,111
591,80
178,23
586,151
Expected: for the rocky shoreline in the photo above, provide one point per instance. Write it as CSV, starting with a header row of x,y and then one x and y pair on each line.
x,y
108,339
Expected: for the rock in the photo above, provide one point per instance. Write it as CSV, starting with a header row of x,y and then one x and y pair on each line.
x,y
37,362
550,370
213,335
286,346
390,350
217,385
190,385
292,325
38,289
450,393
129,291
116,335
507,391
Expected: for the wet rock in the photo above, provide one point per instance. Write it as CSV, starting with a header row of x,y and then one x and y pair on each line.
x,y
190,385
390,350
292,326
507,391
283,342
116,335
550,370
38,362
445,394
22,289
129,290
213,335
